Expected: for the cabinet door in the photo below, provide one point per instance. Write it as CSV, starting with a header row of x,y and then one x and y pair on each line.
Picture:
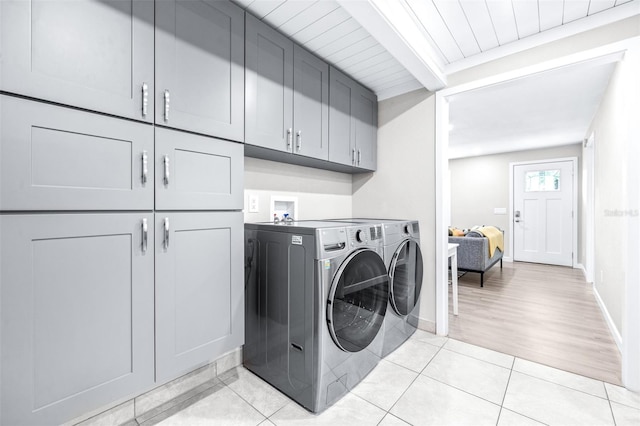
x,y
77,313
310,105
365,115
200,66
94,54
269,83
341,127
56,158
199,289
197,172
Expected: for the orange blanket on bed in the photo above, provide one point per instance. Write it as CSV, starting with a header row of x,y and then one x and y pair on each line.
x,y
495,238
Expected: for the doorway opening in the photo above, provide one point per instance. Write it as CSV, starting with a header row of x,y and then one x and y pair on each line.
x,y
610,54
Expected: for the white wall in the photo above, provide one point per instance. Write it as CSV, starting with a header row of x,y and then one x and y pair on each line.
x,y
617,176
479,184
404,183
321,194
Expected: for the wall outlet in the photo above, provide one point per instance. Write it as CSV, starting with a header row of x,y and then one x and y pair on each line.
x,y
254,204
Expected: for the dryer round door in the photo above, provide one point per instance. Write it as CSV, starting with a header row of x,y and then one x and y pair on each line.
x,y
405,273
358,300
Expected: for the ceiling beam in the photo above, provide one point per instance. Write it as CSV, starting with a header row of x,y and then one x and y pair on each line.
x,y
394,28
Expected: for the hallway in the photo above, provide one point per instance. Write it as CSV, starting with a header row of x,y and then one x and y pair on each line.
x,y
542,313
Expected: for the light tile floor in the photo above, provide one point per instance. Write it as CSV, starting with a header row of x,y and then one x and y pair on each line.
x,y
430,380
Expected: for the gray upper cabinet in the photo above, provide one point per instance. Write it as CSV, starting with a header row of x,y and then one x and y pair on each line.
x,y
197,172
310,105
366,128
353,122
56,158
76,310
95,54
200,67
199,289
287,92
269,87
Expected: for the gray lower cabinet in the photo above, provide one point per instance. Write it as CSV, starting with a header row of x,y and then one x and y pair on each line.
x,y
76,306
287,92
200,67
353,118
199,289
56,158
94,54
197,172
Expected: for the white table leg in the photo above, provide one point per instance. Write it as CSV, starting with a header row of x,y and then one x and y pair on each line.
x,y
454,281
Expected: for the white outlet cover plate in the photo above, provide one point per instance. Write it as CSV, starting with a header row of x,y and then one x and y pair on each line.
x,y
254,204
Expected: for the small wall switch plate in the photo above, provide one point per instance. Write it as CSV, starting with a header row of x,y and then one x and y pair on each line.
x,y
254,204
500,210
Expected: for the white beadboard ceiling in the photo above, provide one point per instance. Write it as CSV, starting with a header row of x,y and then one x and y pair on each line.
x,y
395,46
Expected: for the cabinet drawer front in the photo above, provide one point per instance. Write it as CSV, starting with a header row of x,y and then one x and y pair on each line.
x,y
99,61
56,158
197,173
200,62
77,313
199,289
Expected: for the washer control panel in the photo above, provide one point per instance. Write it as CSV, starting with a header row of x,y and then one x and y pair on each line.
x,y
363,235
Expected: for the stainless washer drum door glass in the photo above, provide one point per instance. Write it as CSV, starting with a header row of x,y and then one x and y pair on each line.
x,y
406,277
358,300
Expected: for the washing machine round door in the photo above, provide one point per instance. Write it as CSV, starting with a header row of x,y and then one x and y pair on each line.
x,y
405,274
358,300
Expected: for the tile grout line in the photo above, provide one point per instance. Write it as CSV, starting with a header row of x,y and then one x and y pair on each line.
x,y
250,404
479,359
506,388
462,390
613,416
413,381
505,396
561,385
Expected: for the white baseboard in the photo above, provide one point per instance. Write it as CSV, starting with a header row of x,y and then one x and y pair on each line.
x,y
582,268
507,259
612,327
423,324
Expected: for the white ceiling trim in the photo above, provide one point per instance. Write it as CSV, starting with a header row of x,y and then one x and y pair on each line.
x,y
605,17
392,26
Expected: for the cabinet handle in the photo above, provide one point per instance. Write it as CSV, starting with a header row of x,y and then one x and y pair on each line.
x,y
299,140
145,167
359,156
166,105
165,160
145,234
353,156
289,138
166,233
145,99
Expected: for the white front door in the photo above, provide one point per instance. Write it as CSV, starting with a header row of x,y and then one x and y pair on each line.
x,y
543,212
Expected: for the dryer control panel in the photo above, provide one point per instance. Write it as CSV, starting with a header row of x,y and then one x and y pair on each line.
x,y
365,235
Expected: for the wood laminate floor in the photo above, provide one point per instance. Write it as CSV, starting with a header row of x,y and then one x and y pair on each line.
x,y
542,313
